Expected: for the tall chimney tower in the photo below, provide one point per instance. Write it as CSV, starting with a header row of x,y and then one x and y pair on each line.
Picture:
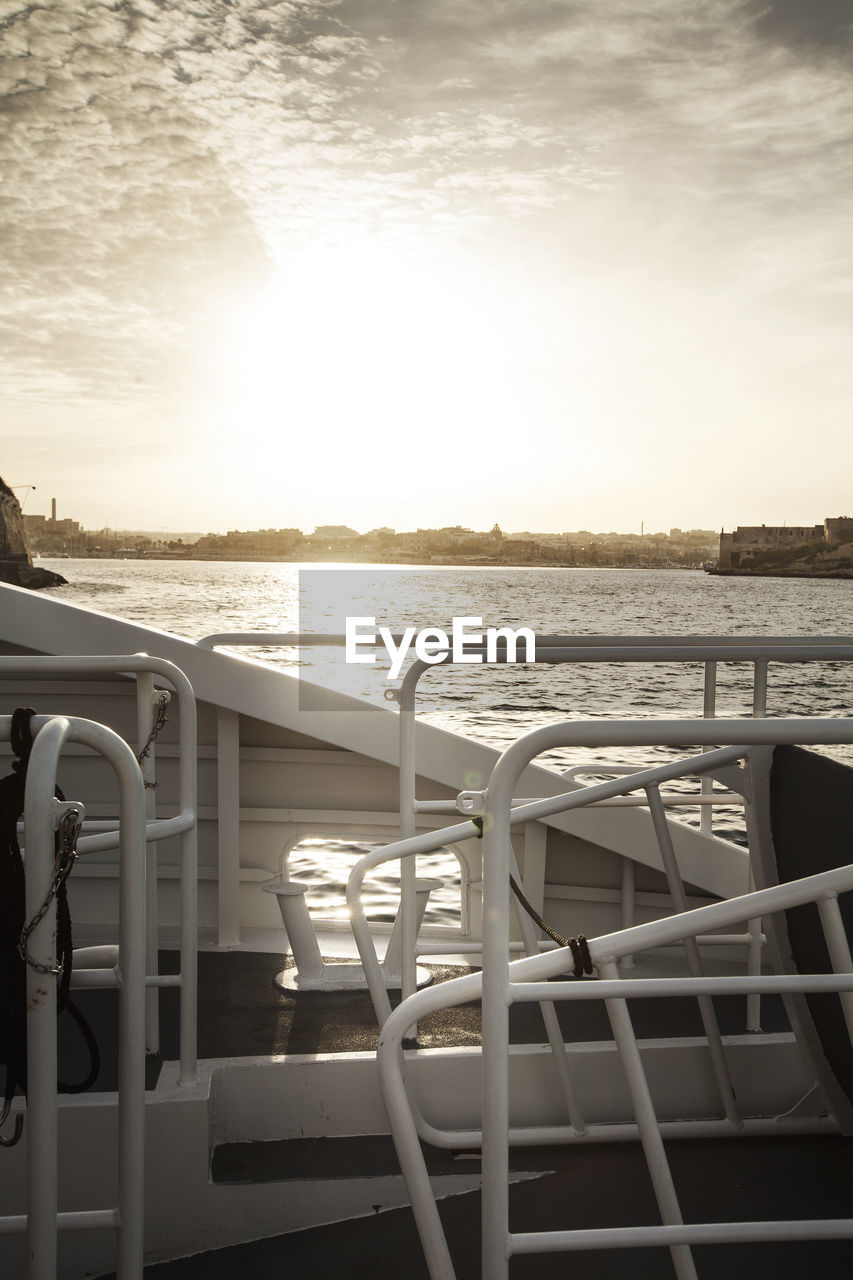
x,y
53,510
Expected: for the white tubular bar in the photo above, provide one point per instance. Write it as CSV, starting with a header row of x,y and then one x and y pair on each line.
x,y
430,841
555,649
408,867
650,1135
228,825
709,710
159,829
296,639
759,650
839,949
496,867
683,1235
501,982
40,820
41,810
694,962
184,824
469,988
145,721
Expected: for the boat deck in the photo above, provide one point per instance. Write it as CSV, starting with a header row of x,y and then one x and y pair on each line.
x,y
242,1013
596,1186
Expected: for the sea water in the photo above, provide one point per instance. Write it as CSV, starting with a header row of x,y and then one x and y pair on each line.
x,y
493,704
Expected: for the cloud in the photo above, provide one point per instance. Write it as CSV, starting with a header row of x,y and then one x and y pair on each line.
x,y
161,160
821,26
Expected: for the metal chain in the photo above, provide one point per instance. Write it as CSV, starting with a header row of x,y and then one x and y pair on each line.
x,y
159,721
69,829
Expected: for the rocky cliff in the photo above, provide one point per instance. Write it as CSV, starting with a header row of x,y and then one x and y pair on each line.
x,y
16,565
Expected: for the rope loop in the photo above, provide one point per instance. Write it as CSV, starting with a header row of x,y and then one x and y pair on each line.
x,y
15,932
21,738
578,946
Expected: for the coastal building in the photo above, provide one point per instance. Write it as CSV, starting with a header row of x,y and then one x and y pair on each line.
x,y
837,530
747,542
49,533
333,532
256,544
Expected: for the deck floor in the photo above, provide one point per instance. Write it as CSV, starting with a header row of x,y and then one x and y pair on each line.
x,y
598,1186
242,1013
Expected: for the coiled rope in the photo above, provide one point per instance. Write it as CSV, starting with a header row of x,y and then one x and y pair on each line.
x,y
15,930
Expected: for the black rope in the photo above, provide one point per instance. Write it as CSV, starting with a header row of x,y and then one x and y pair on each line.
x,y
13,998
577,946
14,930
21,737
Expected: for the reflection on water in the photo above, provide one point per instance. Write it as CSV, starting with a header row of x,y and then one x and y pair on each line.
x,y
325,865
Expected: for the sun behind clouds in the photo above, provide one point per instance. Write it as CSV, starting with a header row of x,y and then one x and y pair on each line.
x,y
366,362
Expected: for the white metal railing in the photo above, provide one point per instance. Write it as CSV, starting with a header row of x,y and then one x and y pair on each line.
x,y
43,816
145,669
228,790
648,781
502,982
760,651
710,651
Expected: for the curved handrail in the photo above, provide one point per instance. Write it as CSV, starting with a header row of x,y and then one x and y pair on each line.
x,y
561,648
533,810
558,649
501,980
496,927
530,981
42,813
183,824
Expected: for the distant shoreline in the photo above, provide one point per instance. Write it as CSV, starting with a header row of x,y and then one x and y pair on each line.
x,y
440,562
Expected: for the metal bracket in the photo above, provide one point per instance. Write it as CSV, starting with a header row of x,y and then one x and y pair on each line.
x,y
67,813
471,803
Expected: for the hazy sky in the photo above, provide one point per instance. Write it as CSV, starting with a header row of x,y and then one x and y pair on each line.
x,y
555,263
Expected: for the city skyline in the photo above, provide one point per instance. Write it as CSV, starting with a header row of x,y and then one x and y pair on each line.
x,y
327,544
577,265
56,515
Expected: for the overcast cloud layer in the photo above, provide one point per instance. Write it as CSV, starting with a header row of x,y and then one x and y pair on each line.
x,y
637,214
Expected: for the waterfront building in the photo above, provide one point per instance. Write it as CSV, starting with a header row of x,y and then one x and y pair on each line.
x,y
740,548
